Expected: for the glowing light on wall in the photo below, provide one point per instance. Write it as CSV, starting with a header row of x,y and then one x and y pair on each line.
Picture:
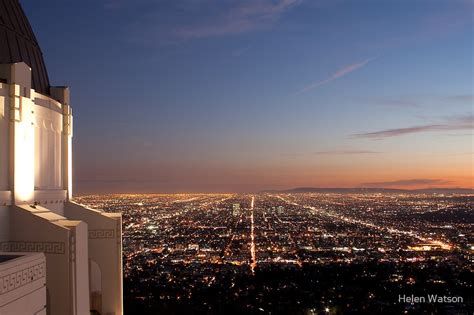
x,y
69,168
68,121
24,155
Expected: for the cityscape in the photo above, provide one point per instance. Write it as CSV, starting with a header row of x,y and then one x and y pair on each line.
x,y
295,253
247,157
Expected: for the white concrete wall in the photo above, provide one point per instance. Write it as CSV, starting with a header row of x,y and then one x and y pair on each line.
x,y
21,131
23,285
32,154
49,159
80,268
105,249
52,199
65,245
47,149
30,304
36,167
4,223
4,135
5,196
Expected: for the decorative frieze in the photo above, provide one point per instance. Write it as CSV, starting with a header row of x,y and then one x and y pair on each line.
x,y
19,278
101,234
26,246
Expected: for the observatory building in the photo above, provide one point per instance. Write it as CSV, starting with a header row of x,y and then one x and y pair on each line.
x,y
56,257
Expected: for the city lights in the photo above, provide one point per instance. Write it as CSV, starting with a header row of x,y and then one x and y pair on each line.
x,y
297,248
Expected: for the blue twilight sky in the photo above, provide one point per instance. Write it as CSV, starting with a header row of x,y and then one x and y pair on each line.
x,y
214,95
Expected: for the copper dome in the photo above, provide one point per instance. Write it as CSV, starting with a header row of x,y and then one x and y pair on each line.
x,y
18,43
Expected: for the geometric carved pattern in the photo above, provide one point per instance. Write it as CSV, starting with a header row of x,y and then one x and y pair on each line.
x,y
22,277
99,234
45,247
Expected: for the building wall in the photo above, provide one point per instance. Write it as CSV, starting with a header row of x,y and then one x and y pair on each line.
x,y
35,168
65,245
38,146
48,138
4,135
4,223
28,304
4,163
49,160
23,279
105,250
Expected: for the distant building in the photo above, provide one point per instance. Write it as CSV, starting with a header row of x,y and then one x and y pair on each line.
x,y
280,209
236,209
56,257
194,247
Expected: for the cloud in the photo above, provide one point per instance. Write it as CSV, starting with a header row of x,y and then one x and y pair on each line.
x,y
406,182
346,152
451,124
336,75
188,19
170,22
238,18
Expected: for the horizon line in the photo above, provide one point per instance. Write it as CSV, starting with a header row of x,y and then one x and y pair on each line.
x,y
277,191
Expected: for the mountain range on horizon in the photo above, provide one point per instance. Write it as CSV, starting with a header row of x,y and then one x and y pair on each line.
x,y
451,190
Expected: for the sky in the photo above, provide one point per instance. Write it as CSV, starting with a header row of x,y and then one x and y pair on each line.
x,y
242,96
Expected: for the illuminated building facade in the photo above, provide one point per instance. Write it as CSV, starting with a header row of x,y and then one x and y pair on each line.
x,y
56,257
236,209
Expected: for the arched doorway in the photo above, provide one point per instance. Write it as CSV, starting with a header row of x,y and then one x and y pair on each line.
x,y
95,283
